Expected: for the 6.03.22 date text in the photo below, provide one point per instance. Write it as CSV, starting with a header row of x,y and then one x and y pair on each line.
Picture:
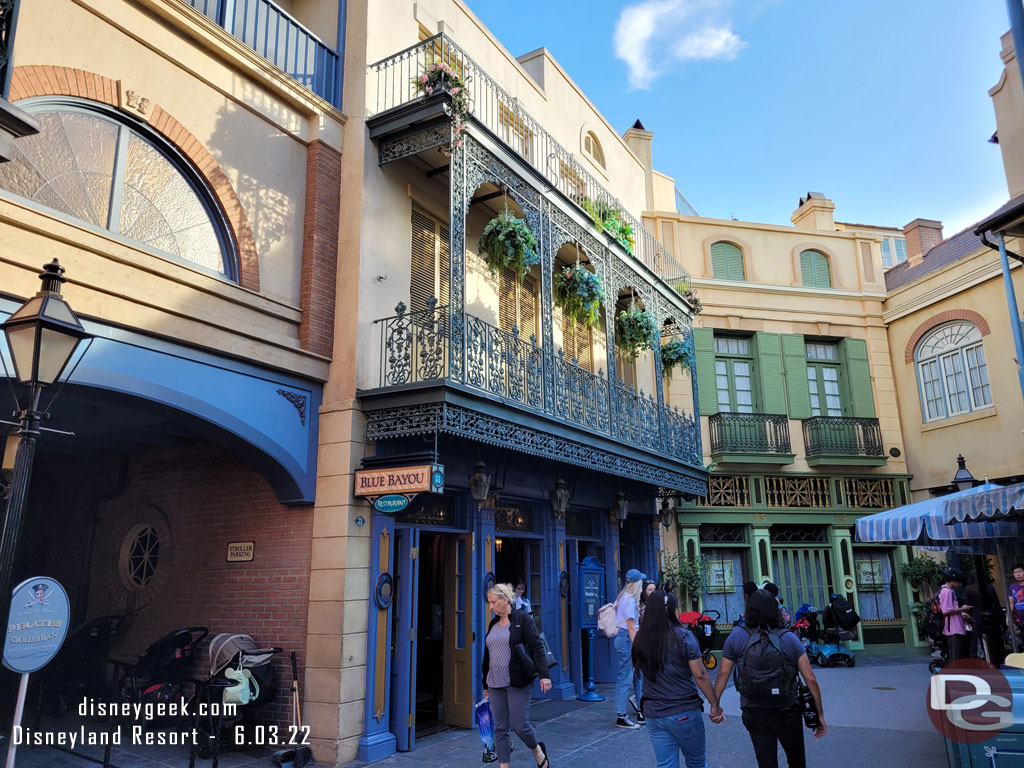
x,y
271,735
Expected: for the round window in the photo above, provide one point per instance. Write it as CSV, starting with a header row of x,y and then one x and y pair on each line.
x,y
140,555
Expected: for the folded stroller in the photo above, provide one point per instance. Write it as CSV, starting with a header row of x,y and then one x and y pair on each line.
x,y
241,676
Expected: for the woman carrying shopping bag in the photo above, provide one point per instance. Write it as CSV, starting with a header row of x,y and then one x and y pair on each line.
x,y
670,659
513,658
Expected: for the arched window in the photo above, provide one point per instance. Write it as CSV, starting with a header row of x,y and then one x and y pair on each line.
x,y
593,148
814,269
951,371
727,262
89,163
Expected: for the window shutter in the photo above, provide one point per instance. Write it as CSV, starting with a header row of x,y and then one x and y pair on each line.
x,y
704,349
576,342
507,299
726,261
424,263
527,308
625,368
794,359
769,367
814,270
444,268
854,355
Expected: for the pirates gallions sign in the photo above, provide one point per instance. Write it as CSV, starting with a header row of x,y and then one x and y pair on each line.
x,y
395,485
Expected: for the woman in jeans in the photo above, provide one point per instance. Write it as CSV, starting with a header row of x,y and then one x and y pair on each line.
x,y
670,660
774,721
508,673
627,688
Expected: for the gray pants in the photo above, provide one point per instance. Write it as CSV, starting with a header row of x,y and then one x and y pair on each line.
x,y
511,708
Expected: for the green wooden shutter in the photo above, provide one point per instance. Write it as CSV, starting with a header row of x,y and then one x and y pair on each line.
x,y
769,369
424,260
854,355
726,262
707,390
794,358
814,270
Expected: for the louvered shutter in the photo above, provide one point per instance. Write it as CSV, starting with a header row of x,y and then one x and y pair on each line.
x,y
444,267
507,299
769,367
735,262
814,270
707,390
527,308
576,343
794,359
727,261
854,354
625,368
424,261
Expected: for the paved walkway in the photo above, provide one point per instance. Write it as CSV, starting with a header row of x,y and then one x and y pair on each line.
x,y
875,713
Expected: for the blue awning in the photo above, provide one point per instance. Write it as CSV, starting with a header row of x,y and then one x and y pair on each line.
x,y
923,523
1000,503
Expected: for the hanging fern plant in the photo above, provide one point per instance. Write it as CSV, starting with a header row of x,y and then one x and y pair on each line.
x,y
508,242
579,293
635,331
676,353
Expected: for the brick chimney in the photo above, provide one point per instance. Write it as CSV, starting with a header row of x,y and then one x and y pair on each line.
x,y
815,212
922,235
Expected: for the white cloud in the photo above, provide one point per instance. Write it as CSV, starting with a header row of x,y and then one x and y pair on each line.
x,y
971,213
664,31
710,43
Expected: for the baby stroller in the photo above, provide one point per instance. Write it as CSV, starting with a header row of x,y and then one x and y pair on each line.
x,y
159,674
241,676
705,627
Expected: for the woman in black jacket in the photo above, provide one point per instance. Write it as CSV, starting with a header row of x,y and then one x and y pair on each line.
x,y
513,657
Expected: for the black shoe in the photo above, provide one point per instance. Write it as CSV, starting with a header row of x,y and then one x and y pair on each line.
x,y
490,756
624,722
546,763
640,718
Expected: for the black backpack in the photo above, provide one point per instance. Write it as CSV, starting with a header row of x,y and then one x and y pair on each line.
x,y
765,673
843,614
933,622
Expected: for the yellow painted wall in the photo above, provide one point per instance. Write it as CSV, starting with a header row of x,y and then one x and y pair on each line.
x,y
1008,101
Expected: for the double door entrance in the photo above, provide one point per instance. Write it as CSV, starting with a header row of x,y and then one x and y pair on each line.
x,y
432,634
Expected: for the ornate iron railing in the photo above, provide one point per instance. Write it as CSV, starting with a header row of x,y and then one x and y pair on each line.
x,y
749,433
500,113
842,436
416,347
280,39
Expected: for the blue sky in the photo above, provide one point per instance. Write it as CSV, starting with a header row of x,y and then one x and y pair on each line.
x,y
881,105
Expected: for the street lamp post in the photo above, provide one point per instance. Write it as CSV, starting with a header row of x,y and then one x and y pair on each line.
x,y
42,336
963,479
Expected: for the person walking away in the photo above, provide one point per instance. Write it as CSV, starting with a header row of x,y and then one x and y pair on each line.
x,y
649,586
953,615
785,620
521,603
767,660
627,692
669,657
513,658
1016,601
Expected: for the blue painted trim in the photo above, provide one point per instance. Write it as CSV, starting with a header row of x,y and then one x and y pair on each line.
x,y
236,404
340,50
377,740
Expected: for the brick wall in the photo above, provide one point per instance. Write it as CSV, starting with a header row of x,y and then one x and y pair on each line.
x,y
320,248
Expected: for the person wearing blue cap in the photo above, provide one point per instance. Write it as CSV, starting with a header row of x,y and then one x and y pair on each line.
x,y
627,687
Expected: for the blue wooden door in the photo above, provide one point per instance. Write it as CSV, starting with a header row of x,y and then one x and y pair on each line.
x,y
403,698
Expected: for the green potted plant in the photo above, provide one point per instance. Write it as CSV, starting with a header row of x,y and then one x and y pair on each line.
x,y
635,331
508,242
439,77
685,289
579,293
676,353
687,575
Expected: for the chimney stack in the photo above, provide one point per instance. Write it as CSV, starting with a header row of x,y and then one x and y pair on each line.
x,y
922,235
639,139
815,212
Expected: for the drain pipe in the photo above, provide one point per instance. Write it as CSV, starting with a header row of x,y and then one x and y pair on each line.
x,y
1011,300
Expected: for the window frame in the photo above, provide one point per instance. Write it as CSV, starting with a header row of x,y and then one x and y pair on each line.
x,y
941,363
127,125
595,151
817,366
731,359
728,274
894,251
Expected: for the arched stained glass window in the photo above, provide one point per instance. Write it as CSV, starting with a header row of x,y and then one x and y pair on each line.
x,y
88,164
952,372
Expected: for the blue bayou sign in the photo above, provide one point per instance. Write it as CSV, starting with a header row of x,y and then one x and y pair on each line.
x,y
390,490
36,625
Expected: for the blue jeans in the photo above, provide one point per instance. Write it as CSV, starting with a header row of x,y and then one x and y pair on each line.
x,y
625,683
683,732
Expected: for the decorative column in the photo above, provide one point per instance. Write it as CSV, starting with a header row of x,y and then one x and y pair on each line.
x,y
846,582
562,686
761,554
547,333
377,740
698,446
689,548
458,205
659,386
485,568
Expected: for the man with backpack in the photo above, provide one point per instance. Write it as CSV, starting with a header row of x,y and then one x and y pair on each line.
x,y
767,660
953,615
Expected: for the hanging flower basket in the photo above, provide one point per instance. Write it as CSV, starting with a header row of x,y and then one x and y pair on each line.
x,y
579,293
608,218
677,353
439,77
635,331
507,242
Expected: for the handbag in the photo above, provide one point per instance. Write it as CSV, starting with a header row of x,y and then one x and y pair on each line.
x,y
549,657
526,665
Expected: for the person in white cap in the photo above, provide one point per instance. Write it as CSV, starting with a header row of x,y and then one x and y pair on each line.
x,y
627,688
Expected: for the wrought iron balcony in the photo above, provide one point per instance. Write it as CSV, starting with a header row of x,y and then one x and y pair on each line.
x,y
501,115
750,437
843,440
280,39
416,349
